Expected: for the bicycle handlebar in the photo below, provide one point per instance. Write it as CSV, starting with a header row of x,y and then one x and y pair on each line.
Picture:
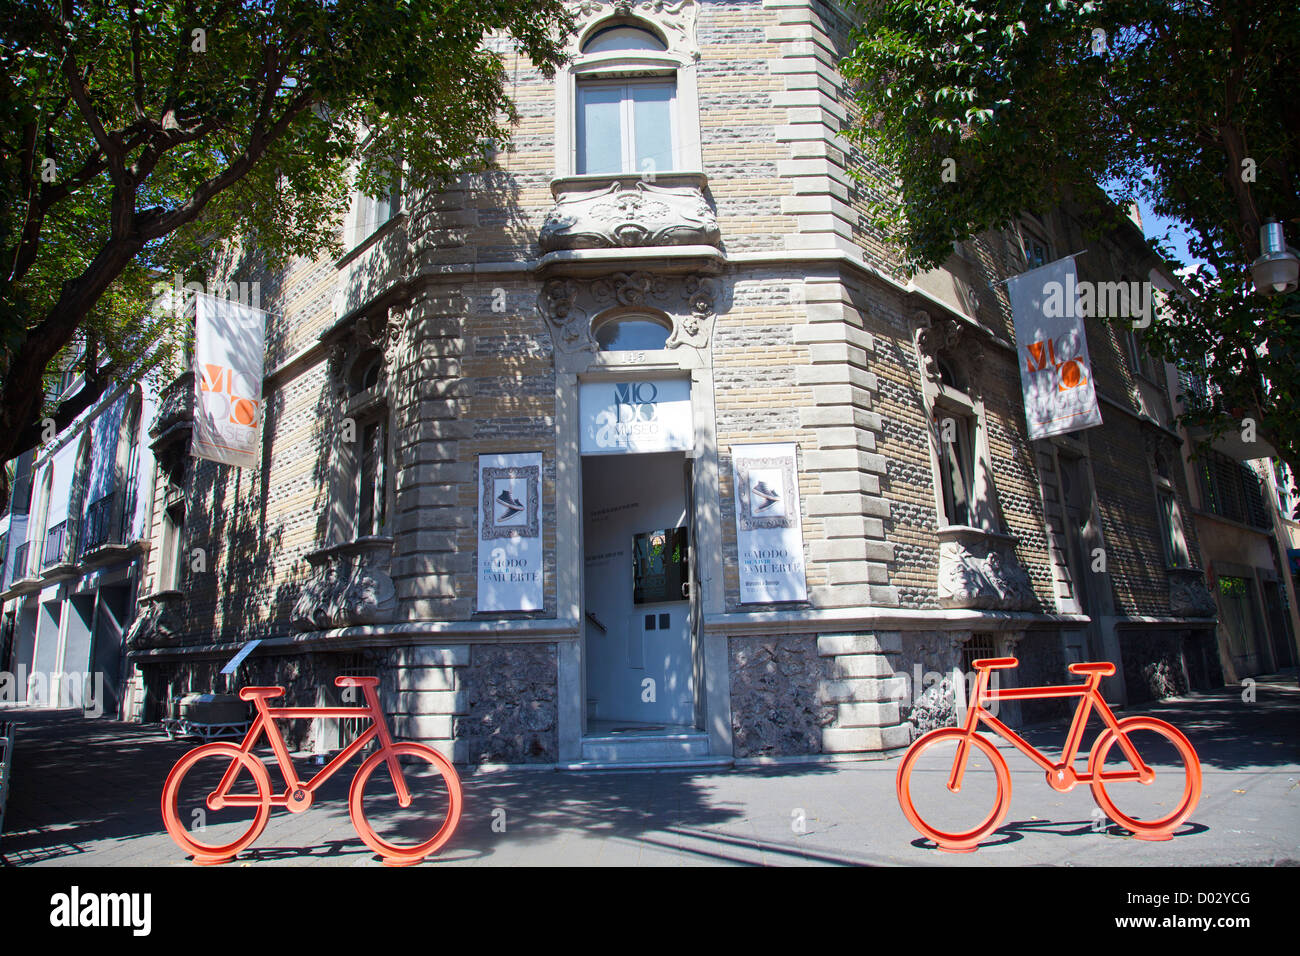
x,y
356,682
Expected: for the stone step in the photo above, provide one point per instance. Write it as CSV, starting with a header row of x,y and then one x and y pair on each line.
x,y
701,763
645,748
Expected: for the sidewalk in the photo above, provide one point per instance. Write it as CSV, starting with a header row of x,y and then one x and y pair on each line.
x,y
86,793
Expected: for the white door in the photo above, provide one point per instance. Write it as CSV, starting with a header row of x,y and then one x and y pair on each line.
x,y
638,622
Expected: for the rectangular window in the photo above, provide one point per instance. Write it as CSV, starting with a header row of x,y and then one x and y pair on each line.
x,y
1034,249
372,480
1175,552
626,127
956,466
369,213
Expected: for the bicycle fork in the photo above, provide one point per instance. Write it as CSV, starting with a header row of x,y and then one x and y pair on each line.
x,y
386,743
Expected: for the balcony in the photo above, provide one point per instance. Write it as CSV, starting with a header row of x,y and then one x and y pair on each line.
x,y
104,535
1200,396
173,424
348,585
56,561
604,223
1233,491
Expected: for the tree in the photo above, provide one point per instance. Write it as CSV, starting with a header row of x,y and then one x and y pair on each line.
x,y
136,136
1193,106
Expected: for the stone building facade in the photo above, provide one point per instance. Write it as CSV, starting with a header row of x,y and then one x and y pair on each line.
x,y
677,217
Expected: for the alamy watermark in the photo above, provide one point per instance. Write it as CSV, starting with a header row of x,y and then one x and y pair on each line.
x,y
170,297
1084,299
66,689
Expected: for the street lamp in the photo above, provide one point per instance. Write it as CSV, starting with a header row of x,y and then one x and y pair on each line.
x,y
1278,267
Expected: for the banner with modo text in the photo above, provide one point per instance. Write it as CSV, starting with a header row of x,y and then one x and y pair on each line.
x,y
769,531
1052,349
229,347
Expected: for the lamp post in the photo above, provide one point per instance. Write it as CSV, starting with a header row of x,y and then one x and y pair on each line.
x,y
1278,267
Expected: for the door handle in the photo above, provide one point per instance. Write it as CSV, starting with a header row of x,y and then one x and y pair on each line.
x,y
686,589
596,621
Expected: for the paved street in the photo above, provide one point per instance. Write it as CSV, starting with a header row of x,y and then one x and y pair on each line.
x,y
86,793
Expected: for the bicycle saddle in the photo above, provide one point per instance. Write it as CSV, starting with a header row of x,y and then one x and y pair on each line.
x,y
251,693
1105,668
993,663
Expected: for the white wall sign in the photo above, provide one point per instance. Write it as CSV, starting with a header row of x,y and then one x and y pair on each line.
x,y
769,532
510,532
623,417
1052,348
229,347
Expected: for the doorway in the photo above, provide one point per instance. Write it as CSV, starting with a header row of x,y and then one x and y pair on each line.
x,y
639,635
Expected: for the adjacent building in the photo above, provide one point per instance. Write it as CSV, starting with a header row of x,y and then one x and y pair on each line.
x,y
640,448
73,544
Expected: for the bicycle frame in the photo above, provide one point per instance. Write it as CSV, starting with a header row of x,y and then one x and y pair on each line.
x,y
1061,776
297,796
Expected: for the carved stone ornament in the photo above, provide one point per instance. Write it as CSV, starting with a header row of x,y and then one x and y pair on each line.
x,y
630,214
1188,594
569,324
702,295
157,621
691,302
372,330
978,569
675,20
349,585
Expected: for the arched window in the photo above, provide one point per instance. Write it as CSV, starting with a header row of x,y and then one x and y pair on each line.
x,y
365,371
631,333
622,37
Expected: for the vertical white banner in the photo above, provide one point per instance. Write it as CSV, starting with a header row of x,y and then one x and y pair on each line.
x,y
229,348
1052,349
510,532
769,531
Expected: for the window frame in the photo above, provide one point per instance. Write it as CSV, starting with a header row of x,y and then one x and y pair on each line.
x,y
627,123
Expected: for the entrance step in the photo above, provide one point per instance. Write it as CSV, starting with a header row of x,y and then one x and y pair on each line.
x,y
643,749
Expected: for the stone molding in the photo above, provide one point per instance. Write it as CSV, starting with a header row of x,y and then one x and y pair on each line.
x,y
349,585
978,569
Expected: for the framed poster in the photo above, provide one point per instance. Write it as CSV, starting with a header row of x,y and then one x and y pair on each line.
x,y
510,532
769,532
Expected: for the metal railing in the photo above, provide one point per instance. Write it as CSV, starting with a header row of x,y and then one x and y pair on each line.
x,y
56,543
96,530
1233,490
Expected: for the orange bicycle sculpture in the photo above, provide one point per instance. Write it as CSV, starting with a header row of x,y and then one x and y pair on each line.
x,y
208,779
943,762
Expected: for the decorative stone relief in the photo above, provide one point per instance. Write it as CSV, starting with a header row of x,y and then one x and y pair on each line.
x,y
675,20
630,214
157,621
963,351
372,330
691,302
349,585
1188,594
978,569
702,294
569,325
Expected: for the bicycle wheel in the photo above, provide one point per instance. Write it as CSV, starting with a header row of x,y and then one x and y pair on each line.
x,y
401,835
955,821
214,832
1153,810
